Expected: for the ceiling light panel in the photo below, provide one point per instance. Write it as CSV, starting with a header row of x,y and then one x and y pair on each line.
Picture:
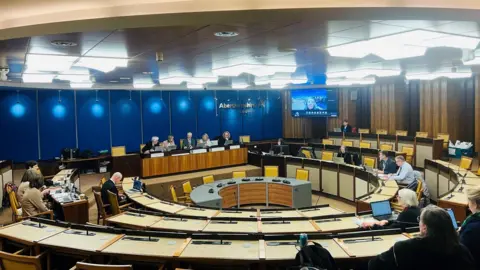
x,y
54,63
37,78
362,73
81,85
347,82
102,64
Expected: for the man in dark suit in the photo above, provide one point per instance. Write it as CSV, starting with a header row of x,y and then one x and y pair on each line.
x,y
189,142
225,137
110,185
346,128
386,164
151,145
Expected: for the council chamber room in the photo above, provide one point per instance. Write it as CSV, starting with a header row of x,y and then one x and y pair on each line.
x,y
240,135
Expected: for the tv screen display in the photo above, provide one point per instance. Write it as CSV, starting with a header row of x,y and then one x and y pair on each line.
x,y
314,103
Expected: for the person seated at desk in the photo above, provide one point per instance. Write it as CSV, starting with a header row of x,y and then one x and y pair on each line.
x,y
28,176
170,142
33,165
205,140
346,128
404,175
386,164
111,185
189,142
347,157
32,200
280,141
225,137
437,248
470,230
407,218
150,146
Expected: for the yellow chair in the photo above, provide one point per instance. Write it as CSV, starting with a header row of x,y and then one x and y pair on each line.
x,y
363,130
401,133
327,156
141,147
466,163
306,153
478,171
419,189
365,145
271,171
176,198
302,174
187,189
17,213
327,141
17,261
244,139
446,139
347,143
239,174
208,179
118,151
421,134
369,161
386,147
409,151
102,181
101,212
382,131
115,207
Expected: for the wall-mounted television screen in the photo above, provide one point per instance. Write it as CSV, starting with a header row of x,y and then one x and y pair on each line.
x,y
314,103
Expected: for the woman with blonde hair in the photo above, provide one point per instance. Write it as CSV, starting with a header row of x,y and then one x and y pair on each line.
x,y
470,231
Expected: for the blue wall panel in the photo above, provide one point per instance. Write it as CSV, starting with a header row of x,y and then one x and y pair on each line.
x,y
183,114
207,119
273,123
125,115
231,118
93,120
253,120
18,125
57,122
156,118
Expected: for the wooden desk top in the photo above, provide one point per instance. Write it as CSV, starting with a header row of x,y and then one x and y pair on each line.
x,y
165,247
198,212
458,198
340,224
375,198
194,225
280,213
322,211
137,221
144,199
370,249
387,191
288,252
79,242
237,250
24,233
241,214
239,227
166,207
296,226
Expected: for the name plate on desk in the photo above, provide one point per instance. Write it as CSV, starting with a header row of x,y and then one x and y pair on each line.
x,y
181,154
234,146
217,149
154,155
198,151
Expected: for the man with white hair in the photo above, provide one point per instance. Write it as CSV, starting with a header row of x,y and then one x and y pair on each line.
x,y
189,142
151,145
110,185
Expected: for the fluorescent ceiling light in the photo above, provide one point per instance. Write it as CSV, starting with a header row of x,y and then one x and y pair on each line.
x,y
55,63
403,45
81,85
474,61
174,80
102,64
254,69
435,75
362,73
240,85
345,82
73,77
203,80
143,85
194,86
37,78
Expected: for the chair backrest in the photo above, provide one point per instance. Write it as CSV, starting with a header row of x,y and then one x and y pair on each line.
x,y
181,143
363,130
244,139
302,174
386,147
271,171
141,147
401,132
187,187
382,131
421,134
99,202
445,137
91,266
369,161
306,153
407,150
466,163
347,143
10,261
114,206
242,174
327,141
208,179
327,155
102,181
365,145
174,193
419,189
118,151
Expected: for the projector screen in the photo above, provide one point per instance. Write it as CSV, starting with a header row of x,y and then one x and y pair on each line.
x,y
314,103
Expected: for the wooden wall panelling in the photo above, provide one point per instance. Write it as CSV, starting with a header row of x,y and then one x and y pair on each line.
x,y
346,109
294,127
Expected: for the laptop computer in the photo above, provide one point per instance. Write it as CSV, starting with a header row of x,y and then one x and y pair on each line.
x,y
452,217
339,160
337,129
381,210
228,142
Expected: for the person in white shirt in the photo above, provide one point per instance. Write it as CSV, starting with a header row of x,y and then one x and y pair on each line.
x,y
404,174
169,142
205,140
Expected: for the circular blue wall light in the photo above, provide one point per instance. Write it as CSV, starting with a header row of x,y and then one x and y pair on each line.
x,y
183,105
208,103
126,108
17,110
59,111
156,107
97,110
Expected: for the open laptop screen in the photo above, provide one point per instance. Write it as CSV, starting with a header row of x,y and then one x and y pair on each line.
x,y
381,208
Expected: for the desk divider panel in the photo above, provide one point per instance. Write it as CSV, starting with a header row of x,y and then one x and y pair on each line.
x,y
292,165
405,141
387,139
330,178
355,137
253,193
337,137
443,179
372,139
314,168
361,183
346,182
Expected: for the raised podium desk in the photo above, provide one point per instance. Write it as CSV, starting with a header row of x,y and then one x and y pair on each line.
x,y
254,190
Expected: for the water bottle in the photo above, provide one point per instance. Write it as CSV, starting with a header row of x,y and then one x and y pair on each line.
x,y
303,240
